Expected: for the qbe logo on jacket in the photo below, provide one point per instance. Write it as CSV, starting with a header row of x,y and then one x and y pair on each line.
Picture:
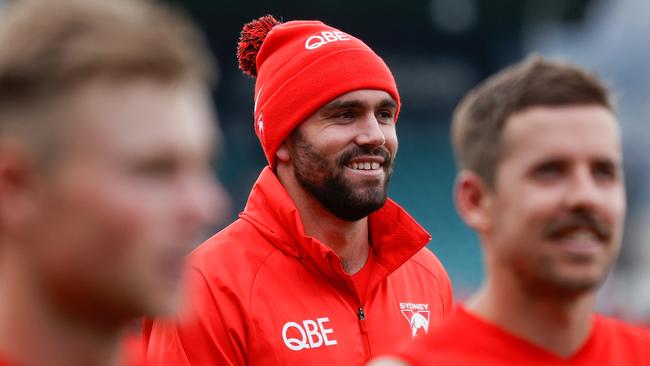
x,y
308,334
417,315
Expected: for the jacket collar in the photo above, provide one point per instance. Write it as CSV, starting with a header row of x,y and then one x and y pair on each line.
x,y
395,235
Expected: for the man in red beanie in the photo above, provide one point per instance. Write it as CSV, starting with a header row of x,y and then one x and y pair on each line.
x,y
106,137
541,183
321,268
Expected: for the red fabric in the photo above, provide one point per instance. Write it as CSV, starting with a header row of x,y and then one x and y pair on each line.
x,y
362,277
465,339
295,78
133,349
262,272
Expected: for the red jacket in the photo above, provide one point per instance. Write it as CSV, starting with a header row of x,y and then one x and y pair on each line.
x,y
266,294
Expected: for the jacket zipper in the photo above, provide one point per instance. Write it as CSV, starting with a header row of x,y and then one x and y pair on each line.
x,y
361,316
364,331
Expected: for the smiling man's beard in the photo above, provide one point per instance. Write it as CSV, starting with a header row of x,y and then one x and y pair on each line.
x,y
325,180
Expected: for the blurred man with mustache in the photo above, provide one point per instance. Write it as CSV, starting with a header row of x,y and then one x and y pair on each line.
x,y
106,137
541,182
321,268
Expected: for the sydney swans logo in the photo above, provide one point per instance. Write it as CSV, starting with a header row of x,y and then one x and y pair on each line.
x,y
418,317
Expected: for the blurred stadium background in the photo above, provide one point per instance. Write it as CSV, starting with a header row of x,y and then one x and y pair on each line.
x,y
438,49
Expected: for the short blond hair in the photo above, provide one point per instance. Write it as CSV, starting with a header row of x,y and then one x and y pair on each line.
x,y
48,47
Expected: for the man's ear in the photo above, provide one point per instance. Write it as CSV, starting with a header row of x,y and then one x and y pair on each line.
x,y
283,154
473,199
17,179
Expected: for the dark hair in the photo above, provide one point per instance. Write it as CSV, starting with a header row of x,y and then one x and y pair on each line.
x,y
479,119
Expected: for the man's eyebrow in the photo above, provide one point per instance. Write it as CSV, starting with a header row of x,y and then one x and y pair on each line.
x,y
616,161
337,104
341,104
388,103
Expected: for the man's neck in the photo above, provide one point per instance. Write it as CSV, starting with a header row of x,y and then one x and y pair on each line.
x,y
348,239
33,332
559,325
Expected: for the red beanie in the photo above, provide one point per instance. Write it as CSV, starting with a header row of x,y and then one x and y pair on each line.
x,y
301,66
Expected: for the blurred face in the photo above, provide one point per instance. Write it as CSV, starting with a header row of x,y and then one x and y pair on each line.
x,y
558,204
343,154
126,198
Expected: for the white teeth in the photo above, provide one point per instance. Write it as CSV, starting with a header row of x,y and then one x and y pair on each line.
x,y
364,166
582,235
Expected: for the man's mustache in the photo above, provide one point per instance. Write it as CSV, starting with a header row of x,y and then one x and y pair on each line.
x,y
578,219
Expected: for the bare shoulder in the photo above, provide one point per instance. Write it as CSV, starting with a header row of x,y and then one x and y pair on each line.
x,y
387,361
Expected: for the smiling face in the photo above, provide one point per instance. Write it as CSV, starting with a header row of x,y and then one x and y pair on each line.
x,y
125,199
343,153
555,216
